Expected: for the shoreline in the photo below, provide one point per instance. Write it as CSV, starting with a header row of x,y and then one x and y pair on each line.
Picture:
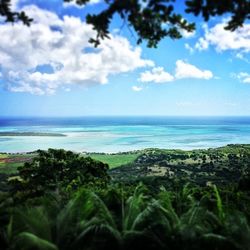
x,y
112,136
5,134
130,151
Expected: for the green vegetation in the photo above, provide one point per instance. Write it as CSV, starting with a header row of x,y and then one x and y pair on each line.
x,y
125,218
160,199
58,169
10,168
220,166
115,160
9,163
151,20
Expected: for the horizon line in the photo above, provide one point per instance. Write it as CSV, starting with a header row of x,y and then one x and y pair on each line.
x,y
120,116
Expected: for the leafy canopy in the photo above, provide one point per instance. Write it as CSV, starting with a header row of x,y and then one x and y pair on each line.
x,y
152,20
55,168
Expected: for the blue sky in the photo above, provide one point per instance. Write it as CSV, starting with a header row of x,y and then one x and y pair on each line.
x,y
50,68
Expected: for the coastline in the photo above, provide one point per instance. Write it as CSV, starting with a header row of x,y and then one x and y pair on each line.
x,y
116,134
31,134
136,151
185,159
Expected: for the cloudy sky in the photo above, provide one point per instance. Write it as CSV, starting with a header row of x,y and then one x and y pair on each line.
x,y
50,69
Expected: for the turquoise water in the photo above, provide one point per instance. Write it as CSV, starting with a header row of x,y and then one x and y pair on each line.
x,y
115,134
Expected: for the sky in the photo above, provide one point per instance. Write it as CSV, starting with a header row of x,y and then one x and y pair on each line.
x,y
50,69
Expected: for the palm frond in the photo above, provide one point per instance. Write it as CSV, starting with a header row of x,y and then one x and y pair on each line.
x,y
219,203
10,229
94,229
167,208
216,241
134,205
29,241
147,216
33,220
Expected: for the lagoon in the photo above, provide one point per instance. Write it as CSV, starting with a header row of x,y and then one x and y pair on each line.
x,y
116,134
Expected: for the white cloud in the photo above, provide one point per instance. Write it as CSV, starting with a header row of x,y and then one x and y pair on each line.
x,y
62,45
242,76
157,75
15,4
187,34
241,56
224,40
137,88
73,3
186,70
183,70
189,48
202,44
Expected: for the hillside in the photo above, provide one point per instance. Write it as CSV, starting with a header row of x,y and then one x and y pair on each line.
x,y
157,199
220,165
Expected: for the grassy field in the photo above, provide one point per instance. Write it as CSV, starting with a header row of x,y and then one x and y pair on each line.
x,y
155,158
115,160
9,168
10,162
2,157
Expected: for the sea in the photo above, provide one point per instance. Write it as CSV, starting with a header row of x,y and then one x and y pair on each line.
x,y
120,134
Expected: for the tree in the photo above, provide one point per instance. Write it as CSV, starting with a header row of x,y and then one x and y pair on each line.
x,y
140,222
55,169
152,20
13,16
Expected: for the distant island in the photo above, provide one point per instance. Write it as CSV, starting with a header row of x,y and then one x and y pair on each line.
x,y
31,134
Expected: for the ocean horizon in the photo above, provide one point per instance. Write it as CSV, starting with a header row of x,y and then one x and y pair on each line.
x,y
111,134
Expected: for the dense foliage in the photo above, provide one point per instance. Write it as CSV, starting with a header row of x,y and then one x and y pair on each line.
x,y
58,169
116,218
220,166
170,213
